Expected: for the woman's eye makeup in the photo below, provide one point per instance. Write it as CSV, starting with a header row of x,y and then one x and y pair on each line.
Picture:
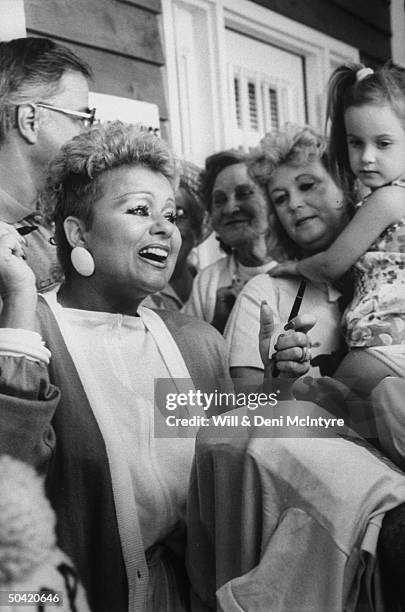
x,y
141,210
172,216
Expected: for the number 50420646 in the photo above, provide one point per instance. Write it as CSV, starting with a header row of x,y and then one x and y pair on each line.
x,y
31,598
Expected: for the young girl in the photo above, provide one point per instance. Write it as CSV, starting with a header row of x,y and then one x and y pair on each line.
x,y
367,142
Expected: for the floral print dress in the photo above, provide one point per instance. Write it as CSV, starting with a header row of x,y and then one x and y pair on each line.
x,y
376,316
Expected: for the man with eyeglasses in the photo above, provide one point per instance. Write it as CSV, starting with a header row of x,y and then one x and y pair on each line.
x,y
43,103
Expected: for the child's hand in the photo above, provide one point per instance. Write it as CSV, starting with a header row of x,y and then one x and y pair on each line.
x,y
287,268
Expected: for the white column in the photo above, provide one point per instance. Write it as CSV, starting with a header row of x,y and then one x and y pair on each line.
x,y
195,78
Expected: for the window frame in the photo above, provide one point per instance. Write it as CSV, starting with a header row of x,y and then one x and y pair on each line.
x,y
212,17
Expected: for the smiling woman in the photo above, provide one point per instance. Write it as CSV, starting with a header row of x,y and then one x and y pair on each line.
x,y
89,418
307,212
367,142
192,221
239,216
132,236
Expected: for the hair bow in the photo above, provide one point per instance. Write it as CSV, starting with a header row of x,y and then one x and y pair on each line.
x,y
363,73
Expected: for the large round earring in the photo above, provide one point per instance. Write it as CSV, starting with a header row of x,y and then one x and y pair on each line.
x,y
82,261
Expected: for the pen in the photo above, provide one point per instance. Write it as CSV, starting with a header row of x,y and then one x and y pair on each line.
x,y
294,311
298,299
26,229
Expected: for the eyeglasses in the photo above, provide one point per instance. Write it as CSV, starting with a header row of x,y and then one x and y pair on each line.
x,y
86,118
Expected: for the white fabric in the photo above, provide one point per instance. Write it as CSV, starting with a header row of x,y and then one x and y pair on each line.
x,y
392,356
242,330
17,342
319,533
117,358
222,273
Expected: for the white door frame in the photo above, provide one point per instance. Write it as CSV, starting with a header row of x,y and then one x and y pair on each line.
x,y
208,117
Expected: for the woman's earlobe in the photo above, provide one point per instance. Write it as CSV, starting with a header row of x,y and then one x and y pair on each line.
x,y
74,231
81,258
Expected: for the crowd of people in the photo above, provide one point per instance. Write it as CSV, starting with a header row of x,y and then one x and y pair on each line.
x,y
105,314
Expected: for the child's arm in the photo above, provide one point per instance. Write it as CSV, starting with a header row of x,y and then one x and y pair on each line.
x,y
383,208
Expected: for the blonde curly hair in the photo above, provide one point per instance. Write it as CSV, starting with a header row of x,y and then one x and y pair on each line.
x,y
74,184
293,145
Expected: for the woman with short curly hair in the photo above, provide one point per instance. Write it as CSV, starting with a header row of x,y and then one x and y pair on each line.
x,y
307,212
83,406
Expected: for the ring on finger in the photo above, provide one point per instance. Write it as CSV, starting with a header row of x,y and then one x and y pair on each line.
x,y
305,355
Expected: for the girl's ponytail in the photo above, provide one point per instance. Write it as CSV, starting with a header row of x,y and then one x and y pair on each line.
x,y
339,88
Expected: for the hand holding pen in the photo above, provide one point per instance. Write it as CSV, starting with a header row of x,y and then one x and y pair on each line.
x,y
24,230
16,277
288,345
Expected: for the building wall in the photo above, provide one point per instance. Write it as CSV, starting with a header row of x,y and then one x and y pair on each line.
x,y
118,38
360,23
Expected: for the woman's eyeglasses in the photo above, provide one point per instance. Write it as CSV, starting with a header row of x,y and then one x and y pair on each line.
x,y
86,118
